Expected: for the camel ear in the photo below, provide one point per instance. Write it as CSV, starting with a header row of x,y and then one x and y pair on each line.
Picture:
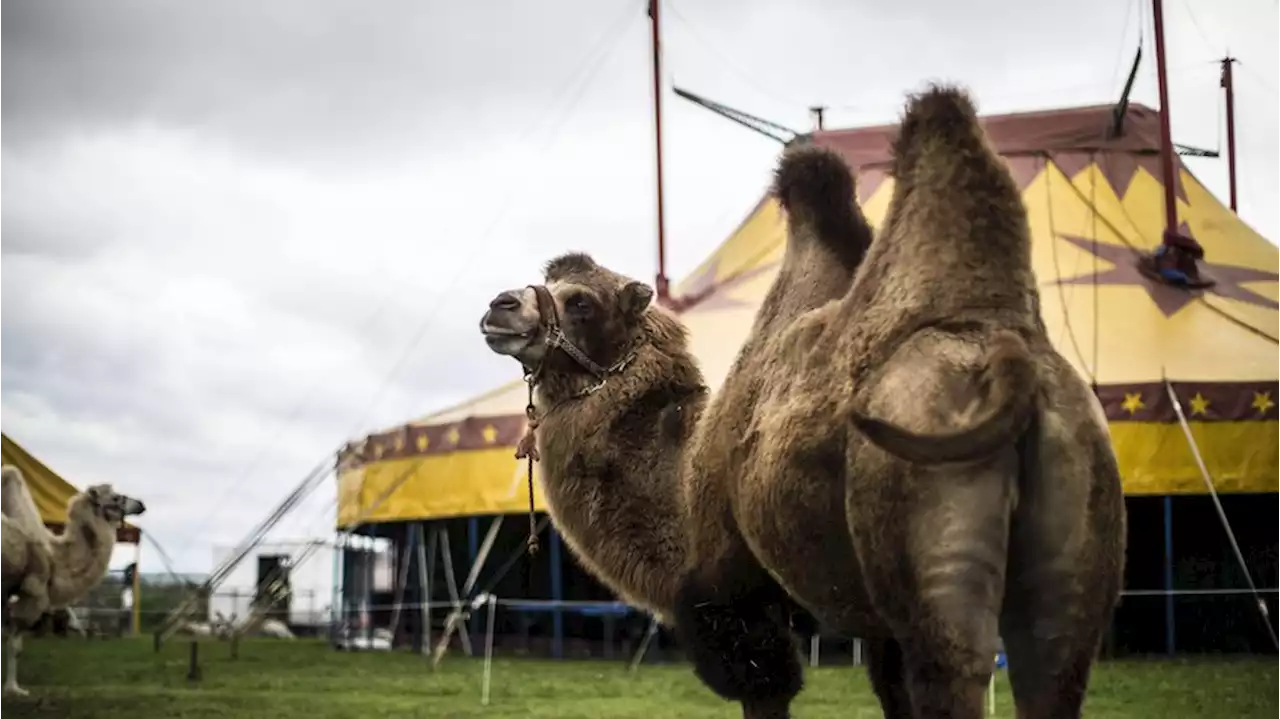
x,y
635,298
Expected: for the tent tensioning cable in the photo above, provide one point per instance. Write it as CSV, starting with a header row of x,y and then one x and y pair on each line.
x,y
1222,514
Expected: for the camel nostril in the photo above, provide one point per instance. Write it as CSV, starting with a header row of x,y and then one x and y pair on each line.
x,y
505,301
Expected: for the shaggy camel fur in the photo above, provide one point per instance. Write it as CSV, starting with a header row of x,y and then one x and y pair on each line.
x,y
50,571
613,464
936,477
611,457
912,462
27,566
28,549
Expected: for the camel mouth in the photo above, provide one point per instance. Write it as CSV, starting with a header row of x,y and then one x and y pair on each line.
x,y
500,335
504,332
507,341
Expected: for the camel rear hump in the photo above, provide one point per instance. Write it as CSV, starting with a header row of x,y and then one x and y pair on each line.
x,y
1003,401
956,231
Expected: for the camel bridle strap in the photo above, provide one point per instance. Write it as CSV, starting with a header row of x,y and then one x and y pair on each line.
x,y
527,449
555,337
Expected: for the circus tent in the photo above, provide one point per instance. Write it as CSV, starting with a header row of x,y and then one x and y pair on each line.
x,y
1094,204
49,490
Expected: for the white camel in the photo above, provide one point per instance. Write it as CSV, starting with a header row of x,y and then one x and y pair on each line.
x,y
43,571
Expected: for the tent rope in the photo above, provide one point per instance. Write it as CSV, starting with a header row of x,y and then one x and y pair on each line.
x,y
223,570
1222,514
1047,165
311,547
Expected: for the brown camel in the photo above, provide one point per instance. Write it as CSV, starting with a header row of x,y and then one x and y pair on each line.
x,y
906,457
611,435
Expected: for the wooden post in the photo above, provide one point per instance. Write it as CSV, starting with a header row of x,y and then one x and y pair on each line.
x,y
193,663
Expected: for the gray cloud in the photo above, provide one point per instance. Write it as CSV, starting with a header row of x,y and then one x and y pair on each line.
x,y
305,81
229,228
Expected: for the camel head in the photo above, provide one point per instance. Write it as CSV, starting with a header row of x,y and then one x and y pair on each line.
x,y
583,319
103,502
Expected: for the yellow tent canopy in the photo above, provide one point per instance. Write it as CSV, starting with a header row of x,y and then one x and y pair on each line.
x,y
49,490
1094,204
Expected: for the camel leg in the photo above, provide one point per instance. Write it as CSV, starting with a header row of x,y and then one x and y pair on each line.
x,y
1049,678
887,673
947,680
13,645
1066,568
734,627
949,641
943,603
1056,611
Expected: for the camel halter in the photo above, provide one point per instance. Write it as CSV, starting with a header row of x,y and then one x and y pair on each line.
x,y
549,320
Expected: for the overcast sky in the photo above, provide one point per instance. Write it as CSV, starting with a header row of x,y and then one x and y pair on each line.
x,y
237,233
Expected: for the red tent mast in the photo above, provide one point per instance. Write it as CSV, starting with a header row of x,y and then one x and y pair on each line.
x,y
1176,259
1228,87
661,285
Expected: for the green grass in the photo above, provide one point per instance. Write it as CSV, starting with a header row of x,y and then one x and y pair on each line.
x,y
121,679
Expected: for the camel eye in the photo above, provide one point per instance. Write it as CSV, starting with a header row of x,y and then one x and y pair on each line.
x,y
578,305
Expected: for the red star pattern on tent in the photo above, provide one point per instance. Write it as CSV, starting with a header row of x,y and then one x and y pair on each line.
x,y
1228,279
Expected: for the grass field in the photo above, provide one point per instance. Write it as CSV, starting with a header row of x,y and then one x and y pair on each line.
x,y
308,680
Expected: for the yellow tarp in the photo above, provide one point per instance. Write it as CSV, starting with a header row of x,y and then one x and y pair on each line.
x,y
1091,208
49,490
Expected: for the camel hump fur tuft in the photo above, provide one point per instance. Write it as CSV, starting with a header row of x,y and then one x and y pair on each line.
x,y
941,119
1003,400
816,188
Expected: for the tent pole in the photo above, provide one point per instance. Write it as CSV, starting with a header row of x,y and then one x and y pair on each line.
x,y
1170,644
557,595
137,586
451,622
655,22
337,599
473,547
644,645
402,582
1228,86
481,556
422,641
1166,135
431,575
451,582
370,576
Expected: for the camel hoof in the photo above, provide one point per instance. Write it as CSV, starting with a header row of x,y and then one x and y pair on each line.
x,y
15,691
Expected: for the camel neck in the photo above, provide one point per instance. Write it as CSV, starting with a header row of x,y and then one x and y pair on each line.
x,y
610,467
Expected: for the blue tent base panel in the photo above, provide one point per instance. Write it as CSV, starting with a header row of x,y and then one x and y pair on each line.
x,y
1185,590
